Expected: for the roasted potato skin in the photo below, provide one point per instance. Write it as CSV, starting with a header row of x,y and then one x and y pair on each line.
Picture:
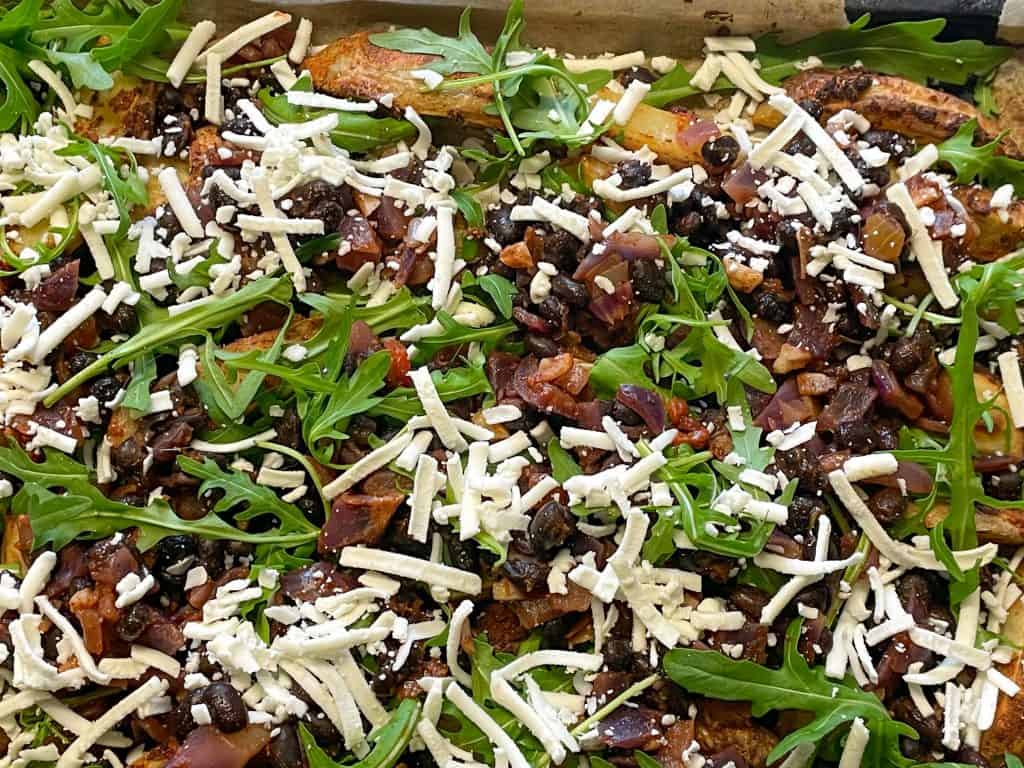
x,y
354,67
888,102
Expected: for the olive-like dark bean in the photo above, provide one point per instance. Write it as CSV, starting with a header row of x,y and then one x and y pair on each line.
x,y
552,309
569,291
772,307
812,107
634,173
79,361
500,226
123,320
174,556
625,415
540,346
181,718
227,710
643,74
907,354
888,505
552,524
285,750
1004,485
561,249
105,388
720,152
648,280
133,621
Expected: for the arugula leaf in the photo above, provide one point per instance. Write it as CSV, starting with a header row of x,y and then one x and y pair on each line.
x,y
907,48
403,310
983,289
402,403
391,741
56,467
795,686
136,396
460,54
322,414
147,33
540,97
457,334
84,513
469,207
18,108
1012,761
563,465
168,330
621,365
981,163
500,289
248,500
355,132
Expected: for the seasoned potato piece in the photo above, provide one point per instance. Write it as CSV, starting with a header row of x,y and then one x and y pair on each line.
x,y
1002,526
354,67
888,102
1003,439
999,232
299,331
127,109
1006,735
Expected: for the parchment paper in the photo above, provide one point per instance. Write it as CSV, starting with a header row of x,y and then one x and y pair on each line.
x,y
659,27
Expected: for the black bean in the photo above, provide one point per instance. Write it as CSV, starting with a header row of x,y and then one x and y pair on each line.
x,y
181,718
123,319
643,74
569,290
720,152
772,307
284,750
227,710
634,173
561,249
888,505
625,415
1004,485
804,512
133,621
500,226
812,107
553,309
905,354
105,388
320,200
79,361
540,346
750,600
174,556
552,524
648,280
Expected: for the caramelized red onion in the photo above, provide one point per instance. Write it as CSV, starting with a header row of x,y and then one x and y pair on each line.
x,y
644,403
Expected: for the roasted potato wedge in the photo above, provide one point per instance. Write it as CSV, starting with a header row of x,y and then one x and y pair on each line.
x,y
889,103
356,68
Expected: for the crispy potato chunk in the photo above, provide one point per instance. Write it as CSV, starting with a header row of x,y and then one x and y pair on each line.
x,y
354,67
889,103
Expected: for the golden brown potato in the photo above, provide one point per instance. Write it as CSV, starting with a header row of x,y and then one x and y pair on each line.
x,y
1003,439
127,109
354,67
996,236
1007,734
888,102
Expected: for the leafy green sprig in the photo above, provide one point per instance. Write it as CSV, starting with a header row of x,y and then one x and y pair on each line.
x,y
980,163
63,504
539,100
907,48
88,42
832,703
